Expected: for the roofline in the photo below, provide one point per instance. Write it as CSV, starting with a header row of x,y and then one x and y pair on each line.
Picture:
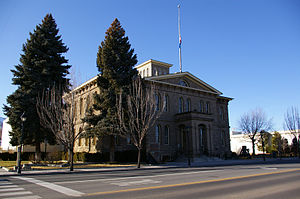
x,y
84,84
183,74
226,98
185,87
155,62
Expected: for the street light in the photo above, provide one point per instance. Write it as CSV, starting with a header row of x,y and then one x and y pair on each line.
x,y
23,119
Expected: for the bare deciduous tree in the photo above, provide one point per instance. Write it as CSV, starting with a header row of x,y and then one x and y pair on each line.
x,y
292,124
139,114
252,123
58,114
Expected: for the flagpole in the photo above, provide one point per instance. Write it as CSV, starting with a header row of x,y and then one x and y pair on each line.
x,y
180,60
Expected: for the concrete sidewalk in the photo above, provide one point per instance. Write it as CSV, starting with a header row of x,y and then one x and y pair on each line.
x,y
207,163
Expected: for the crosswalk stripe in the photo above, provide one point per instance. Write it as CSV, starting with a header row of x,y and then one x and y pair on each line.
x,y
25,197
4,183
8,186
16,193
54,187
11,189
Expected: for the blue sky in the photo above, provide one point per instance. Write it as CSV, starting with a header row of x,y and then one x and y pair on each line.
x,y
248,49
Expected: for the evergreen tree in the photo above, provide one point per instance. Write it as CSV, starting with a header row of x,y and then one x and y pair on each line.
x,y
115,61
42,66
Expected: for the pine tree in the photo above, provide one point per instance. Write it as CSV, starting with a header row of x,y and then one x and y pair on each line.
x,y
115,61
42,66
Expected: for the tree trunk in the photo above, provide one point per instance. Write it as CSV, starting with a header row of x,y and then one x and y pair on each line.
x,y
71,157
112,149
37,152
298,146
253,147
139,159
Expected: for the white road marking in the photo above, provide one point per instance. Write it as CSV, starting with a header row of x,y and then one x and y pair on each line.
x,y
4,183
140,182
8,186
11,189
268,168
54,187
136,177
16,193
25,197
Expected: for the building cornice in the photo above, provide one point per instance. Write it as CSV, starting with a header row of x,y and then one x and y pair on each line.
x,y
154,62
186,74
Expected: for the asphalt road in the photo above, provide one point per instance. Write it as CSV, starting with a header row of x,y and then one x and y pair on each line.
x,y
247,181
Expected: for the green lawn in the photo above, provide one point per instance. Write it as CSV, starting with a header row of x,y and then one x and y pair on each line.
x,y
11,163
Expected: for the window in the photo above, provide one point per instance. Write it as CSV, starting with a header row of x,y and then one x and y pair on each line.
x,y
81,106
207,107
128,139
157,132
157,101
75,110
166,135
117,140
166,103
183,83
147,72
144,73
88,102
222,113
181,108
94,140
201,106
86,141
80,139
222,137
188,105
200,136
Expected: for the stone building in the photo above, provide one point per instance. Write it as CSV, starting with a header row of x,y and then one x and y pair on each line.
x,y
194,121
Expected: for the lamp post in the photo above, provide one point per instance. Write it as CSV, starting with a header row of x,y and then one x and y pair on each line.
x,y
23,119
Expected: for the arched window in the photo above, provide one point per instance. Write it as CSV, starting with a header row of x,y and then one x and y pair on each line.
x,y
80,139
207,107
157,101
157,133
94,140
81,106
181,105
87,141
183,83
128,139
200,135
201,106
221,113
222,137
75,110
166,103
188,105
166,135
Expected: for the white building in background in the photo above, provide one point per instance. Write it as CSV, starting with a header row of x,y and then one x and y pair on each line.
x,y
238,139
5,145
